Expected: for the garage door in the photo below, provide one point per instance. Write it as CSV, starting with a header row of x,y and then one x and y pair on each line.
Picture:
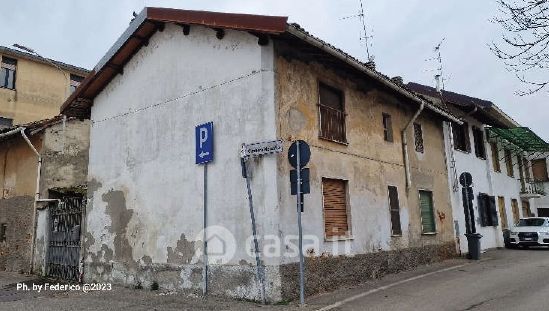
x,y
543,212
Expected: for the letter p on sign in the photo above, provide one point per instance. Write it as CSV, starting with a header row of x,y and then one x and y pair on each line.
x,y
204,135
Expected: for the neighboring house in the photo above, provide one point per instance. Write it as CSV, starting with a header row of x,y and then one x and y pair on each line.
x,y
485,146
33,88
540,184
62,148
257,78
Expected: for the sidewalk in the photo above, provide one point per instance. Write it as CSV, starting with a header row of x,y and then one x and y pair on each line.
x,y
120,298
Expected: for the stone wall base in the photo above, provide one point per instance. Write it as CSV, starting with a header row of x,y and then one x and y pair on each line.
x,y
328,273
235,281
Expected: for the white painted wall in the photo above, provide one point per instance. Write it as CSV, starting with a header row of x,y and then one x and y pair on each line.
x,y
142,143
542,202
485,180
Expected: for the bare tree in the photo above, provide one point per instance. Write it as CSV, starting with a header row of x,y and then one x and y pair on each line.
x,y
524,48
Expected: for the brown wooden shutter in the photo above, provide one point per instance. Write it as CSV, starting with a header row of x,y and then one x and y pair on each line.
x,y
495,157
335,207
395,211
539,168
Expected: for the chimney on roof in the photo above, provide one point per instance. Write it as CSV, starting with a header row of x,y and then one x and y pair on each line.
x,y
371,64
398,80
437,79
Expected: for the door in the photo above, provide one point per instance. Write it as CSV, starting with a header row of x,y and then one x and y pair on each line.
x,y
63,255
502,213
526,209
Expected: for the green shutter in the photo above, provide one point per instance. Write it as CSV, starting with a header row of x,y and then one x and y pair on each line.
x,y
427,214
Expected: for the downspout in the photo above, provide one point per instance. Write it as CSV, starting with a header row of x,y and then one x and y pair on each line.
x,y
37,192
405,146
36,196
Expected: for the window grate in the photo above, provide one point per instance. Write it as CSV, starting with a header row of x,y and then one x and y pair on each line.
x,y
418,137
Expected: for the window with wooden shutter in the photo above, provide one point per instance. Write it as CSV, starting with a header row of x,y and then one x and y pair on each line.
x,y
539,169
461,137
509,162
487,210
478,137
526,164
334,192
418,137
515,210
394,209
502,213
387,127
495,157
332,113
427,212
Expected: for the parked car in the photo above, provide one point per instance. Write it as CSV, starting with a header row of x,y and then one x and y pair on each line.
x,y
532,231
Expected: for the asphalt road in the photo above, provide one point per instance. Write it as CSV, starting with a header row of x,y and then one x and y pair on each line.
x,y
503,280
515,280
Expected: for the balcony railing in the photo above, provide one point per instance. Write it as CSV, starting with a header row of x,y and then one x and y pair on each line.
x,y
531,188
332,124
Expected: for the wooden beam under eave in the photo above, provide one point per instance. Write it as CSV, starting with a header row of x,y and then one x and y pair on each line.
x,y
219,33
186,28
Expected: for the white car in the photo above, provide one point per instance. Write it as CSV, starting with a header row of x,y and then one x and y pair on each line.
x,y
532,231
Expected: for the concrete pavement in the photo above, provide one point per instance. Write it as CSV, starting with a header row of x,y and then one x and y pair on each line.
x,y
502,280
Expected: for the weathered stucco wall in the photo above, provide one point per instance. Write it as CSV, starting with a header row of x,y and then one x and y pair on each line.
x,y
64,165
367,162
40,90
64,168
145,209
18,184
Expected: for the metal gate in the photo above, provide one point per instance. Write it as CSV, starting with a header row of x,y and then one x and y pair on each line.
x,y
63,253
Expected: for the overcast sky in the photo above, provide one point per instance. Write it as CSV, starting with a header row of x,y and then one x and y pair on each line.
x,y
404,35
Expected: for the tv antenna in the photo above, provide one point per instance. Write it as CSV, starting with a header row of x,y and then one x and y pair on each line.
x,y
364,33
439,77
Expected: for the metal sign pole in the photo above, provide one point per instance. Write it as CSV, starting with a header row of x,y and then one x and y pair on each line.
x,y
260,272
205,241
300,228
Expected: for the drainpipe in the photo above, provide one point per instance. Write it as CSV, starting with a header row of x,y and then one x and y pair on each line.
x,y
405,146
36,196
37,192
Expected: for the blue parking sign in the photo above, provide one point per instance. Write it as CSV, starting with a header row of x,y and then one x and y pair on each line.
x,y
204,143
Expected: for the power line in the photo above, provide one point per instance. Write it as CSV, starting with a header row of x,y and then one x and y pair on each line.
x,y
195,92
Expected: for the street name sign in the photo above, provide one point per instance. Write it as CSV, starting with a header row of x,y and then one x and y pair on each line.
x,y
261,148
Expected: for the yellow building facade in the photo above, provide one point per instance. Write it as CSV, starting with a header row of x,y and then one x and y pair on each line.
x,y
33,88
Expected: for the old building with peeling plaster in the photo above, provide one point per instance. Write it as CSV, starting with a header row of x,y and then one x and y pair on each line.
x,y
62,148
381,198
